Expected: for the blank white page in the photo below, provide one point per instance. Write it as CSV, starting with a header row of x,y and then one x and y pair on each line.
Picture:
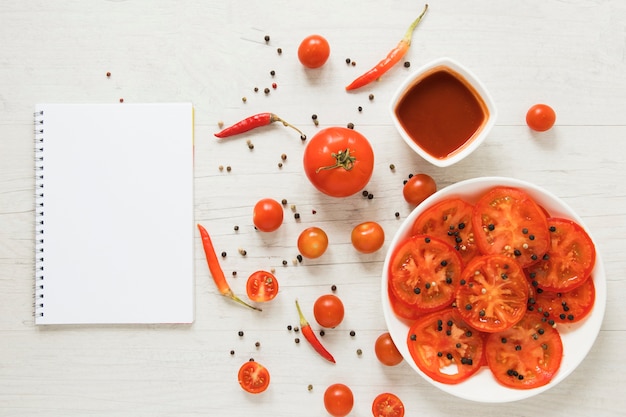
x,y
117,212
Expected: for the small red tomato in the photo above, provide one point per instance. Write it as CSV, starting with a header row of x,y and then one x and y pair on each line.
x,y
540,117
312,242
253,377
328,311
267,215
386,351
338,400
368,237
387,405
262,286
313,51
418,188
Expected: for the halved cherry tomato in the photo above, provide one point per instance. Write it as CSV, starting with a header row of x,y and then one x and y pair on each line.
x,y
418,188
328,310
367,237
507,221
493,293
451,221
338,400
527,355
386,350
253,377
267,215
444,347
313,51
564,307
312,242
262,286
569,260
540,117
387,405
424,272
339,161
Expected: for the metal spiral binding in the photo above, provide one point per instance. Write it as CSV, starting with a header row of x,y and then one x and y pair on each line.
x,y
39,206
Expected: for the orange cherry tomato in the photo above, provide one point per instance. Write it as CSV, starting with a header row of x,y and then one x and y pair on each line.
x,y
338,400
386,350
262,286
313,51
368,237
312,242
253,377
418,188
328,311
540,117
267,215
387,405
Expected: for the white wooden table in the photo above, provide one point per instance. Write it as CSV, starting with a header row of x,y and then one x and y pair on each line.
x,y
570,55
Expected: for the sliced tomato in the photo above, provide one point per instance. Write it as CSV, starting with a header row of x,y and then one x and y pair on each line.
x,y
564,307
387,405
253,377
262,286
400,308
444,347
507,221
493,293
451,221
527,355
569,259
424,272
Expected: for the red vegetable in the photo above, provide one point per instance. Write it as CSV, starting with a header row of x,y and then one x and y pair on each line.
x,y
310,336
390,60
216,269
252,122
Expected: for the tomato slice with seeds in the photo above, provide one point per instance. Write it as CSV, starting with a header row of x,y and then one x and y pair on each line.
x,y
527,355
451,221
493,293
400,308
262,286
569,259
564,307
253,377
424,272
507,221
444,347
387,405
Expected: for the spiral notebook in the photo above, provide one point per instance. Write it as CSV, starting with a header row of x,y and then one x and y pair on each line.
x,y
114,213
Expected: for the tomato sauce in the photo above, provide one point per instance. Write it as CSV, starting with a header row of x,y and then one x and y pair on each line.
x,y
441,113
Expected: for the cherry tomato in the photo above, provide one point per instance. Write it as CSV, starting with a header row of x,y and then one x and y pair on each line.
x,y
564,307
424,272
387,405
313,51
312,242
540,117
527,355
386,351
368,237
267,215
262,286
569,259
444,347
328,310
418,188
507,221
253,377
338,400
451,221
339,161
493,293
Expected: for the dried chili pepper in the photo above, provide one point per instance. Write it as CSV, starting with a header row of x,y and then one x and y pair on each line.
x,y
310,336
390,60
252,122
216,269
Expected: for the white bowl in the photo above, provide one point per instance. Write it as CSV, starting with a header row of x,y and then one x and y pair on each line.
x,y
474,85
577,338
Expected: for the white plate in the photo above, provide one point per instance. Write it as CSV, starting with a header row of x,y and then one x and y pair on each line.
x,y
577,338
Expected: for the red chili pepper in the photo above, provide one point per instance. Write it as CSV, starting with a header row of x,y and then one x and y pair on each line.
x,y
390,60
252,122
216,269
310,336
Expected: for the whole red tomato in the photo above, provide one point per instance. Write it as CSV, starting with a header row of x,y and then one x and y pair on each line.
x,y
313,51
339,161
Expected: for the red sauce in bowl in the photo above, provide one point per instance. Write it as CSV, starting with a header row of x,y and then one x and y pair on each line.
x,y
441,112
